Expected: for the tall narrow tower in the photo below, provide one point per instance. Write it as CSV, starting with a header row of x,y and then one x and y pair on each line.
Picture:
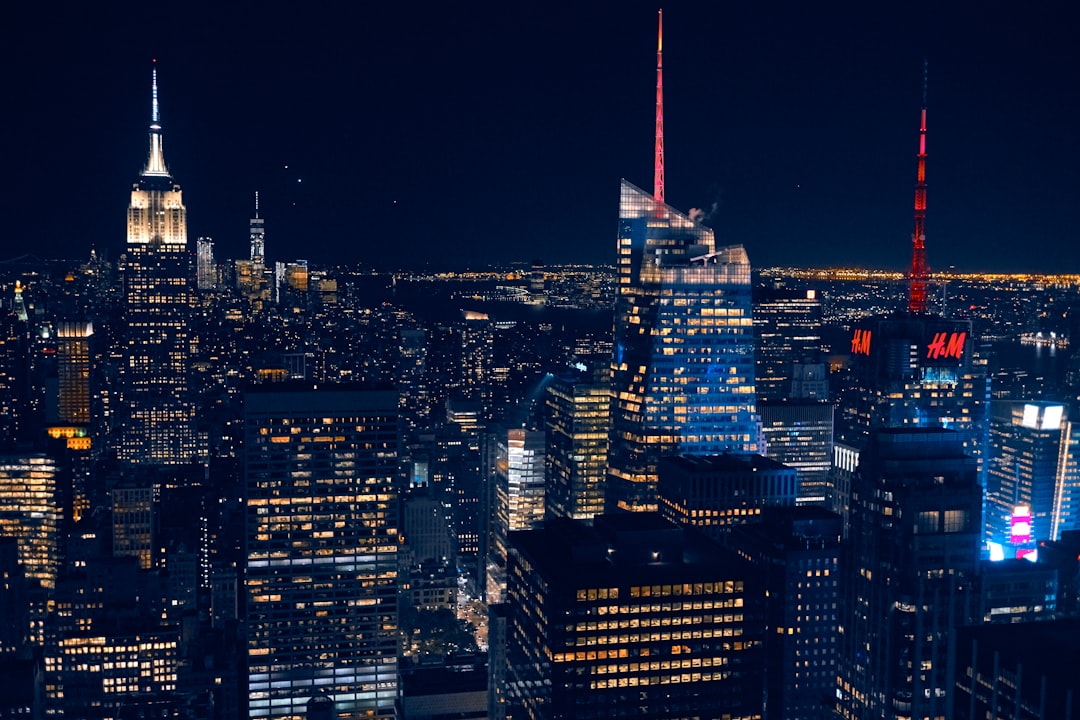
x,y
658,161
682,371
919,271
257,228
157,414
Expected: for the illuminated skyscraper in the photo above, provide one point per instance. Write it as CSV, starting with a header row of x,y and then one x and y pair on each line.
x,y
322,540
517,496
576,415
30,513
787,327
1025,464
630,616
73,369
683,360
206,274
257,226
158,415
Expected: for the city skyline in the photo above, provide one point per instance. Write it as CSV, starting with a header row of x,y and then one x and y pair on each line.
x,y
469,134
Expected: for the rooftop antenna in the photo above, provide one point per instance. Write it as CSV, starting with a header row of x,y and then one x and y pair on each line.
x,y
658,165
919,271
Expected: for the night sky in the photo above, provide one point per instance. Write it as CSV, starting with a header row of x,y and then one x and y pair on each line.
x,y
400,134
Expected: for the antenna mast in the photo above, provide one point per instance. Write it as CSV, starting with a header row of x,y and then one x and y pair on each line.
x,y
919,272
658,166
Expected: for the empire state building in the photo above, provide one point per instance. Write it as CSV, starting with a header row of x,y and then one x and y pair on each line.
x,y
157,414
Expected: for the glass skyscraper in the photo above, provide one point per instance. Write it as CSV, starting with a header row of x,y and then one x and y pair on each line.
x,y
683,360
322,540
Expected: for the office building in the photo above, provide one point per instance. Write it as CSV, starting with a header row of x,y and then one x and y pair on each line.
x,y
517,496
909,573
30,513
157,410
73,372
321,578
799,434
714,493
630,617
914,371
1015,591
577,417
787,330
1024,671
206,271
798,553
1023,471
682,378
14,378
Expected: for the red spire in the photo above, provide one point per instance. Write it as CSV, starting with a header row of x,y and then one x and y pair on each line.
x,y
658,167
919,271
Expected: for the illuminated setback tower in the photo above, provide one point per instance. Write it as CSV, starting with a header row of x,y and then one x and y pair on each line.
x,y
682,369
158,414
257,228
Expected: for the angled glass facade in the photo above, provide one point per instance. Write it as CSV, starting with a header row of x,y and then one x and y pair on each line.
x,y
683,360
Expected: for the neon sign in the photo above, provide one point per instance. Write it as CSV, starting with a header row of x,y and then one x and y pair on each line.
x,y
860,342
947,345
1020,525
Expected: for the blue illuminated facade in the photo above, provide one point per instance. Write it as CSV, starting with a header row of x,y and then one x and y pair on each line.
x,y
683,360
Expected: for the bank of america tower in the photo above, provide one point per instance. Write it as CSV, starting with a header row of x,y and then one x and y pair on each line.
x,y
683,361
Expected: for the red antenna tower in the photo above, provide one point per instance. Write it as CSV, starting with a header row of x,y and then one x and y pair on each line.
x,y
919,271
658,166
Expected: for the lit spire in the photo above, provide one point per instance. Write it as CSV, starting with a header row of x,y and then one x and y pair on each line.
x,y
155,164
256,203
919,271
658,165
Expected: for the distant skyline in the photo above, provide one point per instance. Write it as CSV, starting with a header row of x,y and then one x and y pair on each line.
x,y
400,135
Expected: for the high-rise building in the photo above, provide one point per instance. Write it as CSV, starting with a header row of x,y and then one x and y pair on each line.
x,y
577,419
630,616
798,553
1022,671
73,370
1022,475
517,494
206,272
909,573
14,377
799,434
787,330
30,513
257,227
683,360
158,423
714,493
133,524
320,468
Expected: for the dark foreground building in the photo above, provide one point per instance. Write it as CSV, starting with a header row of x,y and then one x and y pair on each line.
x,y
632,617
909,573
1020,671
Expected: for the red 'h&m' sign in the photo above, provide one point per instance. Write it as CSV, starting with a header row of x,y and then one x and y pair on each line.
x,y
947,345
860,342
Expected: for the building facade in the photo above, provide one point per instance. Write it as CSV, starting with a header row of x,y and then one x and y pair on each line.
x,y
630,617
682,372
577,412
909,574
158,412
322,567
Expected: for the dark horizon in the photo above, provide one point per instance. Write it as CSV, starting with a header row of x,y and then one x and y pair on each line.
x,y
491,133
